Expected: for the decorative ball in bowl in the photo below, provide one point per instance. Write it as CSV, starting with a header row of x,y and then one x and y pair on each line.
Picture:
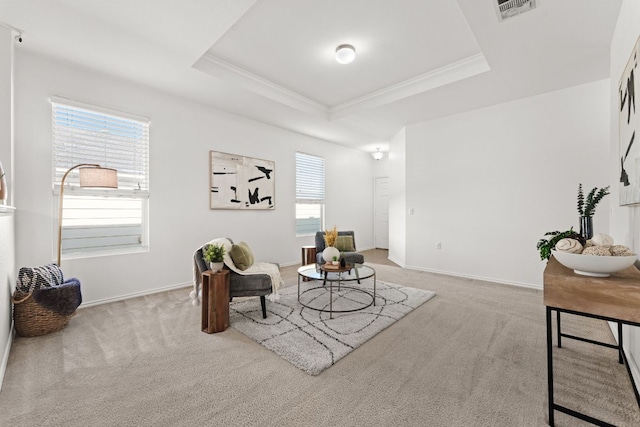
x,y
594,265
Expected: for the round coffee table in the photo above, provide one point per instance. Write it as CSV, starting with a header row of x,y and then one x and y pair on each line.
x,y
330,277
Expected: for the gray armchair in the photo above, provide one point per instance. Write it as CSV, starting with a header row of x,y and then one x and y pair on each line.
x,y
350,257
242,285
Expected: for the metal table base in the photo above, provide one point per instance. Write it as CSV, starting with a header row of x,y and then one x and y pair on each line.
x,y
330,285
622,359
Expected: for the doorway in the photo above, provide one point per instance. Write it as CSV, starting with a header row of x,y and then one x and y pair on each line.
x,y
381,213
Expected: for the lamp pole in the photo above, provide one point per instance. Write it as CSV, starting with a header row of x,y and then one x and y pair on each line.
x,y
60,205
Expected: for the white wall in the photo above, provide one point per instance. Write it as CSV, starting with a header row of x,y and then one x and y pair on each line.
x,y
6,67
182,133
489,183
7,280
7,247
397,199
625,221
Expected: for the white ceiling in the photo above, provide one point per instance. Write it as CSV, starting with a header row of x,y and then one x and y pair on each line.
x,y
272,60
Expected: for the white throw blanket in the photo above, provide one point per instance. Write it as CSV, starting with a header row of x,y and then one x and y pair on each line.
x,y
257,268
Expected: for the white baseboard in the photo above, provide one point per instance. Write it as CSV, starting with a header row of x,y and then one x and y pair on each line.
x,y
154,291
289,264
633,366
136,294
397,262
5,357
614,330
466,276
469,276
631,360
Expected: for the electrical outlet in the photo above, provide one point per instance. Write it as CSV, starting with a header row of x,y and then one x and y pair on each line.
x,y
438,245
411,211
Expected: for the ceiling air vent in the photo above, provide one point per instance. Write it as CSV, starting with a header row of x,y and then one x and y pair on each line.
x,y
509,8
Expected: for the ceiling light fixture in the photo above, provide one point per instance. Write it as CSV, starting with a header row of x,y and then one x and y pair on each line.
x,y
345,53
377,155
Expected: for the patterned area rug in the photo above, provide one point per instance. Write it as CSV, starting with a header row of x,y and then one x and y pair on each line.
x,y
309,339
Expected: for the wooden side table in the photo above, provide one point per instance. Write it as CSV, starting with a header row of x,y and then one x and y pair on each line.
x,y
215,301
308,257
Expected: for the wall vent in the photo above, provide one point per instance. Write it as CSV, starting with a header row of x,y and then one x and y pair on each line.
x,y
509,8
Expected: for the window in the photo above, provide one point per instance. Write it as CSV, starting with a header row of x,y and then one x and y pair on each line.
x,y
309,194
101,221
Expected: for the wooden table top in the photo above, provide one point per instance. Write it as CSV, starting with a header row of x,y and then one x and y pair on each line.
x,y
616,296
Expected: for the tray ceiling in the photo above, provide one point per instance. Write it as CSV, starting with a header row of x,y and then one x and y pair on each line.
x,y
272,60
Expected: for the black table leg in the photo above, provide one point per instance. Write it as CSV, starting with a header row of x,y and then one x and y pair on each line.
x,y
620,343
559,329
550,365
330,299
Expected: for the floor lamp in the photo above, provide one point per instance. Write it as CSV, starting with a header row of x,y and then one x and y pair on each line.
x,y
91,175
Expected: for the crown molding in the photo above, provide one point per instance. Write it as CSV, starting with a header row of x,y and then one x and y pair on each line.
x,y
215,66
442,76
450,73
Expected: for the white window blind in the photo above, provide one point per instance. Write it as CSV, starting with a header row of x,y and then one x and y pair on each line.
x,y
309,194
97,220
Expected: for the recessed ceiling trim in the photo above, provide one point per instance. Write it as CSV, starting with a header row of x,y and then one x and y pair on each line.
x,y
11,27
462,69
217,67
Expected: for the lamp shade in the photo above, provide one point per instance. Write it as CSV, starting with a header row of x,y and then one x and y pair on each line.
x,y
345,53
98,177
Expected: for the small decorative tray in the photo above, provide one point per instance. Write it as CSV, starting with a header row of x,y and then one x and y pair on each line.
x,y
331,267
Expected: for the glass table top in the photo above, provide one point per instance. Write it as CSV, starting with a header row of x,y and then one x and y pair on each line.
x,y
363,272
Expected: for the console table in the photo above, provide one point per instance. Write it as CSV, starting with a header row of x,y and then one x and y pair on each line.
x,y
615,299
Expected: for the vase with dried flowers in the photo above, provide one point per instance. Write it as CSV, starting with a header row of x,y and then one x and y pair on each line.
x,y
330,238
3,187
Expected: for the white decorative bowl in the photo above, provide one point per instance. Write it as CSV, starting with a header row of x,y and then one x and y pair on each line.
x,y
594,265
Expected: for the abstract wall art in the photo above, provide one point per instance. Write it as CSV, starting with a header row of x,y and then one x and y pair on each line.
x,y
239,182
628,122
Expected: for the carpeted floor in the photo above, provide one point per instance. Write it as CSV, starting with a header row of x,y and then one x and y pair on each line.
x,y
472,356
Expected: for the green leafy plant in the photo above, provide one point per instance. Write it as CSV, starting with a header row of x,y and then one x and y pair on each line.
x,y
588,207
546,244
214,253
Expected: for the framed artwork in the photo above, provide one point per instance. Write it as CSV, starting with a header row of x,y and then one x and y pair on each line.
x,y
628,122
239,182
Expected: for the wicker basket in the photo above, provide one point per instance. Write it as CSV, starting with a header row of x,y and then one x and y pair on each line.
x,y
32,319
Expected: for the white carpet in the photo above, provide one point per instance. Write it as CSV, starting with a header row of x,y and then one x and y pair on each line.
x,y
312,341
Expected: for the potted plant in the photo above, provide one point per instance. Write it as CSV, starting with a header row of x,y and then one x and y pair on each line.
x,y
335,261
213,255
548,242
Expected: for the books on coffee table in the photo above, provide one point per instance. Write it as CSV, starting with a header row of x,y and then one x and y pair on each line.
x,y
331,267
